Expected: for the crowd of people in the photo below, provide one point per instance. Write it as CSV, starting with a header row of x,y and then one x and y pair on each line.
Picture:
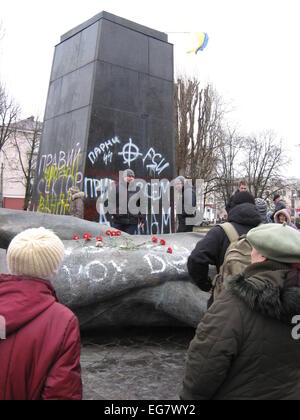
x,y
280,214
244,347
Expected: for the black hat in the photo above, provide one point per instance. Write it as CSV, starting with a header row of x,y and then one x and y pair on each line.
x,y
242,197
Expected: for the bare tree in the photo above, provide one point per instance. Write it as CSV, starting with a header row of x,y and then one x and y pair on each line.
x,y
186,97
220,156
264,161
198,132
9,112
26,143
228,165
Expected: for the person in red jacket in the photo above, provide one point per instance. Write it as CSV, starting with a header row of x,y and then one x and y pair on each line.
x,y
40,356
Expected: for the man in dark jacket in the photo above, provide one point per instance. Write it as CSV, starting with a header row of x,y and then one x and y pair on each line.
x,y
243,187
127,222
40,355
212,249
188,204
247,346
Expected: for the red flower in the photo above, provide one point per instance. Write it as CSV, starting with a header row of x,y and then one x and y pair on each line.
x,y
87,237
170,250
155,239
99,238
76,237
114,233
163,242
108,233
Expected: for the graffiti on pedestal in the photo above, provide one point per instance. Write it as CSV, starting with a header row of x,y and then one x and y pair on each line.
x,y
154,162
57,173
114,153
103,151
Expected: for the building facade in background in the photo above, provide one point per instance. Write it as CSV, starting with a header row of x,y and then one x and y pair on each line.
x,y
291,195
17,163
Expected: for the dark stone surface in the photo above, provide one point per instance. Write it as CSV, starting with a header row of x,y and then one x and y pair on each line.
x,y
13,222
119,21
131,281
66,57
123,47
157,50
70,92
110,78
134,364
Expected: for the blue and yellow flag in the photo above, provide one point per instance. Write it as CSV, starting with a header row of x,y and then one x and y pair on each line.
x,y
201,42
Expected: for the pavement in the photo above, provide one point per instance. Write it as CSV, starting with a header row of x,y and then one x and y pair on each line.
x,y
134,364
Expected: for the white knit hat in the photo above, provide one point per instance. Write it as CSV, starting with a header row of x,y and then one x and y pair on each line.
x,y
35,253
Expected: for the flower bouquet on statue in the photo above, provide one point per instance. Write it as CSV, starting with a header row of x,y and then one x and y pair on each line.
x,y
87,237
162,243
115,240
113,233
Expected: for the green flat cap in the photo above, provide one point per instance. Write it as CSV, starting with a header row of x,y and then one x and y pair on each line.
x,y
276,242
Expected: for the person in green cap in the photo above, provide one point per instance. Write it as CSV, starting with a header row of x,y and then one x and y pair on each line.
x,y
245,347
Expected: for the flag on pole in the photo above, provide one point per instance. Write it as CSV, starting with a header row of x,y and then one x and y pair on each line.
x,y
200,43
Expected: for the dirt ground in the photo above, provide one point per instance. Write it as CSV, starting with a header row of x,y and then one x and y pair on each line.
x,y
134,364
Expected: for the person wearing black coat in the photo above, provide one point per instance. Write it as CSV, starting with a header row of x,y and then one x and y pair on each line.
x,y
212,249
243,187
127,222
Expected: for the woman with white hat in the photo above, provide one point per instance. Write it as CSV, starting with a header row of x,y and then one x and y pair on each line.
x,y
41,350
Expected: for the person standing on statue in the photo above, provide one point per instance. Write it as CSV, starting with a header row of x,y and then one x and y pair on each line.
x,y
126,221
188,204
76,198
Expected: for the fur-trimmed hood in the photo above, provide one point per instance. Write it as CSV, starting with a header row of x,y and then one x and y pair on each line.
x,y
270,288
286,213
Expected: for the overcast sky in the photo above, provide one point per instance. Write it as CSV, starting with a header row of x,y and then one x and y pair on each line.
x,y
252,58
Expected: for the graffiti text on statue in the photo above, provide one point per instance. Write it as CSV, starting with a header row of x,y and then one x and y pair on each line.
x,y
154,161
104,150
156,164
57,174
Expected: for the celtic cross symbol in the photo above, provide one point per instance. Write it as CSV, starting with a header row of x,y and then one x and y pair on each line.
x,y
130,153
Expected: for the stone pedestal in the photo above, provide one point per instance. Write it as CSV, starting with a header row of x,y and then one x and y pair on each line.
x,y
110,107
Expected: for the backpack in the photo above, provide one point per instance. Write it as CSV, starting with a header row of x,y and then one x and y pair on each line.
x,y
237,258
